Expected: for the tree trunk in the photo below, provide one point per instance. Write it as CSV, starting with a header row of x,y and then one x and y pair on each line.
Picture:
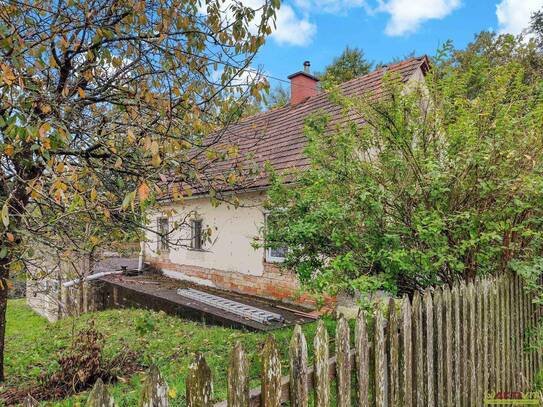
x,y
4,274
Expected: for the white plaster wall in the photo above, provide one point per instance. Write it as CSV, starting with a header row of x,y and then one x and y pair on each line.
x,y
233,231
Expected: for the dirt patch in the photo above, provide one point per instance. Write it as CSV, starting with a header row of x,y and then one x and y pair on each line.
x,y
79,367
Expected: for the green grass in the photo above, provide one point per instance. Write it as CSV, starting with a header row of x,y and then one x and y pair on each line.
x,y
32,346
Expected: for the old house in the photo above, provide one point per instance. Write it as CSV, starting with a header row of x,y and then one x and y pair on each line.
x,y
229,261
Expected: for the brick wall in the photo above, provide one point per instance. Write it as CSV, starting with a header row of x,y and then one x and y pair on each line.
x,y
274,283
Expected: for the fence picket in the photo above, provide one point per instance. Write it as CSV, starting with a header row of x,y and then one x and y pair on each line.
x,y
393,355
238,378
270,376
298,369
380,361
439,347
449,351
485,326
98,397
199,387
456,302
407,354
418,341
430,373
154,392
472,376
343,364
503,338
321,377
464,355
362,360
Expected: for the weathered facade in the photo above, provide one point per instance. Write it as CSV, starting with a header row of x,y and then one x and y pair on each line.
x,y
229,260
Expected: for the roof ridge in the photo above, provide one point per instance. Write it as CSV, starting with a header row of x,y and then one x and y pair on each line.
x,y
422,59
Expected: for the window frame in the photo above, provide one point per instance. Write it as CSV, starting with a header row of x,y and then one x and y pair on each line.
x,y
193,236
162,241
269,257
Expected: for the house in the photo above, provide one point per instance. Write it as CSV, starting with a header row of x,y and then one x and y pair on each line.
x,y
276,137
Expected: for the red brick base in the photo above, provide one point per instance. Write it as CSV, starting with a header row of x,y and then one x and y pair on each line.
x,y
274,283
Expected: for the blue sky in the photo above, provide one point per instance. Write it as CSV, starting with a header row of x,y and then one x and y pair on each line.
x,y
318,30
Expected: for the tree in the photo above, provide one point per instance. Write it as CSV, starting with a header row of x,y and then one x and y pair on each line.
x,y
107,106
442,183
350,64
536,26
489,48
278,97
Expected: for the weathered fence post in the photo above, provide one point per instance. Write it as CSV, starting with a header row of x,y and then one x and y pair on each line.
x,y
381,389
430,372
238,378
321,378
464,353
439,347
449,351
154,392
393,355
298,369
343,365
407,354
472,334
32,402
199,387
418,342
457,306
98,397
362,360
271,375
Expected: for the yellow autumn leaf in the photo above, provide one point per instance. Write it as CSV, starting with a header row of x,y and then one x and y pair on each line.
x,y
172,393
93,194
131,137
81,92
45,108
143,191
8,77
155,161
8,150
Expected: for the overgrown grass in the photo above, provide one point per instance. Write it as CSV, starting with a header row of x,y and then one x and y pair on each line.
x,y
169,342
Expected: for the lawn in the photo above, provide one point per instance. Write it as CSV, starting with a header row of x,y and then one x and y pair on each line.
x,y
32,346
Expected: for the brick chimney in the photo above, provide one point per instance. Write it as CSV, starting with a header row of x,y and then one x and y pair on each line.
x,y
302,85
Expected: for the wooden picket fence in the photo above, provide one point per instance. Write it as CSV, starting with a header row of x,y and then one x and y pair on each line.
x,y
446,347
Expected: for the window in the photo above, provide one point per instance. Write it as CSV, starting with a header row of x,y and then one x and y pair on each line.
x,y
196,241
275,254
163,228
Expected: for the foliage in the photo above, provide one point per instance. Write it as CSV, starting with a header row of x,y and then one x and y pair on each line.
x,y
103,104
489,48
350,64
536,26
171,345
278,97
443,182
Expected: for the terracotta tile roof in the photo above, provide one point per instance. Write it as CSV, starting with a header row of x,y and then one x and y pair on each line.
x,y
277,137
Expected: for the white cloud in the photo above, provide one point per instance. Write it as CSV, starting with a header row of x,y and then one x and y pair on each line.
x,y
406,16
329,6
291,29
514,15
